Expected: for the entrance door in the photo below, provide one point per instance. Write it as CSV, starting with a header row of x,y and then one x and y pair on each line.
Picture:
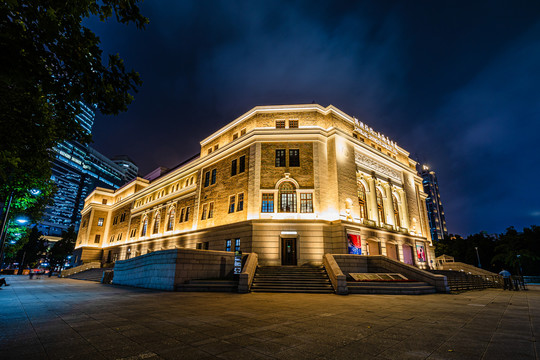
x,y
407,254
288,251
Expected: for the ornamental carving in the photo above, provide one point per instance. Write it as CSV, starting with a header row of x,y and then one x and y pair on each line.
x,y
369,163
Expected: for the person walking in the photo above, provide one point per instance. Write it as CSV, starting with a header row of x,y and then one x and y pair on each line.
x,y
506,278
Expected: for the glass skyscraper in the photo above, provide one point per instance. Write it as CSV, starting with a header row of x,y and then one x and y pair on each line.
x,y
77,170
437,222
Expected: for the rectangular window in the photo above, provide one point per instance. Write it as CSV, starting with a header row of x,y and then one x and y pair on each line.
x,y
206,245
280,158
228,245
211,210
123,217
216,147
187,214
293,124
119,237
104,201
280,124
115,220
97,239
199,246
237,245
235,136
182,215
233,167
213,177
112,238
133,232
209,151
268,203
203,216
100,222
240,206
206,178
306,203
294,157
242,164
231,203
242,132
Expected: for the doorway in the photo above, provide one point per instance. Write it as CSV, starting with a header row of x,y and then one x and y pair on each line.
x,y
288,251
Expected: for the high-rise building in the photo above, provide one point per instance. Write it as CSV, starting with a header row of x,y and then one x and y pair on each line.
x,y
437,222
77,170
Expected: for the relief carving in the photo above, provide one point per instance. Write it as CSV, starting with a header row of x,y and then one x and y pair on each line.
x,y
379,168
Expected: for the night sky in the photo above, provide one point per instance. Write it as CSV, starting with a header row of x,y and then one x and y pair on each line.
x,y
456,86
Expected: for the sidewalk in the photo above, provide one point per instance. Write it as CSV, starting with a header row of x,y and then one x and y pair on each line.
x,y
54,318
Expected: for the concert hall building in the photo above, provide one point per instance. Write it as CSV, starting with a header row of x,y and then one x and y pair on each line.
x,y
289,183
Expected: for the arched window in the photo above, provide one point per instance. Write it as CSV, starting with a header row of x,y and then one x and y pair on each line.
x,y
170,222
287,197
396,210
156,223
362,200
145,225
380,207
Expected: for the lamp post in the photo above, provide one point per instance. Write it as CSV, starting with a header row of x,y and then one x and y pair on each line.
x,y
478,257
5,219
3,229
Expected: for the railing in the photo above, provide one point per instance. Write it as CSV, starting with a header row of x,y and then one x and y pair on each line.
x,y
336,276
80,268
248,273
460,281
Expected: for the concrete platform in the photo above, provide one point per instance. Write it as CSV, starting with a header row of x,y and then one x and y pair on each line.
x,y
53,318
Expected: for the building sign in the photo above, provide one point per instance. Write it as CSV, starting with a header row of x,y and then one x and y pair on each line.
x,y
375,136
237,262
355,244
420,252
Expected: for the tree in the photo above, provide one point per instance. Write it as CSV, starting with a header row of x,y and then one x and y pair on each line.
x,y
514,243
34,246
51,62
59,252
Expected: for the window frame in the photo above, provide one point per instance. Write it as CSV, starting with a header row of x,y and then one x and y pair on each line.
x,y
268,203
232,203
295,156
281,158
241,164
233,167
239,202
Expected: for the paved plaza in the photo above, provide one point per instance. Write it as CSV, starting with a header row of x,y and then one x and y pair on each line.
x,y
51,318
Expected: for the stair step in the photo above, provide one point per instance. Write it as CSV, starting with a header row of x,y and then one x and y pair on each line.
x,y
291,279
386,284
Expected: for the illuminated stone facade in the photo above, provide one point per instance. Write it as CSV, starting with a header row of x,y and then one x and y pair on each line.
x,y
290,183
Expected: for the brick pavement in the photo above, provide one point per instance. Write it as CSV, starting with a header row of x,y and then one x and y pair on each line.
x,y
53,318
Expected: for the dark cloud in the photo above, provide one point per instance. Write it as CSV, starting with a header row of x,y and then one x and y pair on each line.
x,y
456,85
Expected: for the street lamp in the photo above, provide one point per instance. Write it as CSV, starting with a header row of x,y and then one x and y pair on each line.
x,y
478,257
5,218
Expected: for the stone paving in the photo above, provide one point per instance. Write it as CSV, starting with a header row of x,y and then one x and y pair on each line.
x,y
51,318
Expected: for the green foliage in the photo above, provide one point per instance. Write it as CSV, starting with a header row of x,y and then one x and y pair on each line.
x,y
33,247
50,63
497,251
59,252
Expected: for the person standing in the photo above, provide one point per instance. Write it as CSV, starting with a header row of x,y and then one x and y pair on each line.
x,y
506,278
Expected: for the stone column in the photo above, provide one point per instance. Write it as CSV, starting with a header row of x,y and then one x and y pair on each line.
x,y
390,203
372,201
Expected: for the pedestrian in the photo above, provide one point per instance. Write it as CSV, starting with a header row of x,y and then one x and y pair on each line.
x,y
506,278
3,282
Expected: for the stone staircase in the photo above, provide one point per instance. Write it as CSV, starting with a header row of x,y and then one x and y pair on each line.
x,y
209,286
89,275
291,279
390,288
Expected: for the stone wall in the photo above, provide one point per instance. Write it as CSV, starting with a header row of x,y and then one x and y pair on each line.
x,y
163,270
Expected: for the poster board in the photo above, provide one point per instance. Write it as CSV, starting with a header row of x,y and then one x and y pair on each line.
x,y
420,252
354,244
